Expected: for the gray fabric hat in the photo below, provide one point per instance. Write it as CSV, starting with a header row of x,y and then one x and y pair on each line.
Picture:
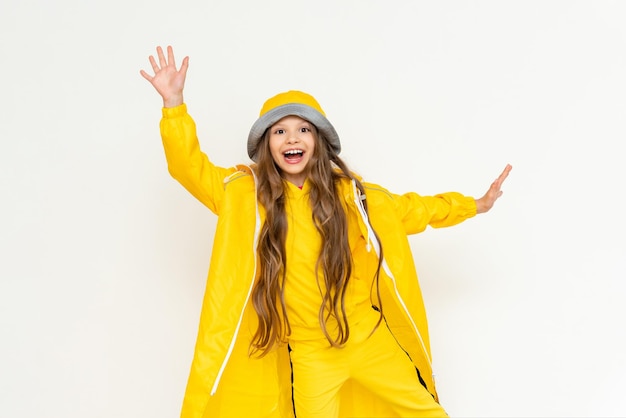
x,y
291,103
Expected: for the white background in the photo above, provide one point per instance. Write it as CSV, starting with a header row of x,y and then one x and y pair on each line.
x,y
104,256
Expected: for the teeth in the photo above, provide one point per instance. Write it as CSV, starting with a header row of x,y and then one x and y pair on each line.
x,y
293,151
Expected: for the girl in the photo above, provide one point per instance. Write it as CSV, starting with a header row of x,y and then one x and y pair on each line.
x,y
312,306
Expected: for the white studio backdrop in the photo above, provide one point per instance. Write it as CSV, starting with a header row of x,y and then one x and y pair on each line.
x,y
104,256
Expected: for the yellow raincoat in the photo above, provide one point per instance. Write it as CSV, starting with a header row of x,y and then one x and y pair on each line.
x,y
224,381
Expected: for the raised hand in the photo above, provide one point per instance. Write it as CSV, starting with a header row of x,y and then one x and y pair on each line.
x,y
167,80
486,202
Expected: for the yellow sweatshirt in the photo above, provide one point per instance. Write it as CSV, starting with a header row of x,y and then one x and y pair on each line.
x,y
302,294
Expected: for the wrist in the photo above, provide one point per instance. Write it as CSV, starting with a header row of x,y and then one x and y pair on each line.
x,y
480,207
173,101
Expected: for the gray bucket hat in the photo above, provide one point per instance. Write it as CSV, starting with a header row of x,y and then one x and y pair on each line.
x,y
291,103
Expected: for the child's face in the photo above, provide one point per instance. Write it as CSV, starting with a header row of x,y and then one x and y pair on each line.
x,y
292,142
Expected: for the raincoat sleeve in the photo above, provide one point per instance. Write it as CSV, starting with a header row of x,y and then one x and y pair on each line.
x,y
442,210
187,163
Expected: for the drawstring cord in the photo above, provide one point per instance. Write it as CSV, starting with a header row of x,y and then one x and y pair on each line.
x,y
358,200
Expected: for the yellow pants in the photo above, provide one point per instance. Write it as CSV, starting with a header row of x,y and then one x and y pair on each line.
x,y
377,363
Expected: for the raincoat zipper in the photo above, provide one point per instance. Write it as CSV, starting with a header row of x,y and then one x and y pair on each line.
x,y
257,226
358,200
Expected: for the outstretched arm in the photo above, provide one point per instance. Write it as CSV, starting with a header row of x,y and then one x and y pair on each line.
x,y
167,80
486,202
185,160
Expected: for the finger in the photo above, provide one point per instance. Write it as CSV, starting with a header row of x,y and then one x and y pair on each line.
x,y
155,67
503,175
146,75
505,172
184,66
170,56
162,60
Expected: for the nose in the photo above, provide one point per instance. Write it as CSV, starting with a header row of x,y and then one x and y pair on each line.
x,y
293,138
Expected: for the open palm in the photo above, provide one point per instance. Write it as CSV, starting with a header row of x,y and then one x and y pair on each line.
x,y
486,202
168,81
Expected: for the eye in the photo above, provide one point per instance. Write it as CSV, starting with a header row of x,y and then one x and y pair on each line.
x,y
279,131
305,129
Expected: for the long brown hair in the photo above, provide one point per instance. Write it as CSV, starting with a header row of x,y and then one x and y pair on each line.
x,y
334,264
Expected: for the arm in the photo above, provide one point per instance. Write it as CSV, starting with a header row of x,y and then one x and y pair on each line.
x,y
442,210
186,162
446,209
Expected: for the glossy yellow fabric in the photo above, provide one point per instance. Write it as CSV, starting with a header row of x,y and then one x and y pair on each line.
x,y
224,381
291,96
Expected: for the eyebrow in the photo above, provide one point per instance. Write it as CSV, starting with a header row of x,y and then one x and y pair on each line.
x,y
281,125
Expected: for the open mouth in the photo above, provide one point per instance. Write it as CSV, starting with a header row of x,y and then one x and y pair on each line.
x,y
293,155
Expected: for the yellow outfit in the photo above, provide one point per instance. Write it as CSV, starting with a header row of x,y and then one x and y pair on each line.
x,y
302,247
320,370
224,381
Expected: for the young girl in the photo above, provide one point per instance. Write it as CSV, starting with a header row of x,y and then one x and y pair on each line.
x,y
312,305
